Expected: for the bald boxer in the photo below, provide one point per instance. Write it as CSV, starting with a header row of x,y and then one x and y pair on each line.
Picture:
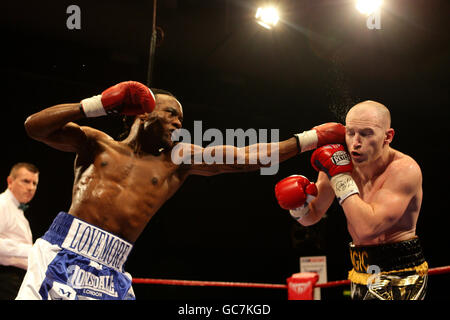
x,y
380,191
120,185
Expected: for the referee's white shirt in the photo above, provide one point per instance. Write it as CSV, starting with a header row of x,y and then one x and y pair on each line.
x,y
16,239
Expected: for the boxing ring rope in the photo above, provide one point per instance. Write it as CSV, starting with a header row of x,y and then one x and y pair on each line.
x,y
432,271
209,283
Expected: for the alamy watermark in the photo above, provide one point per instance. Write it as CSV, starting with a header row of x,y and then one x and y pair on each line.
x,y
374,20
74,20
236,150
374,279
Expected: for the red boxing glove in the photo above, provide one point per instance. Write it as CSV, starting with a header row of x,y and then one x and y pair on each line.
x,y
331,159
318,136
128,98
334,160
294,193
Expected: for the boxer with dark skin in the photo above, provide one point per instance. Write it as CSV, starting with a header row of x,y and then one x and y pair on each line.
x,y
120,185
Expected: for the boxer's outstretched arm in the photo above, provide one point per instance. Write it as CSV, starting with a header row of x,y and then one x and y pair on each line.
x,y
224,159
227,159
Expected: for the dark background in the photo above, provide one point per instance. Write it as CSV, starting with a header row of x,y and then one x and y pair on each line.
x,y
229,72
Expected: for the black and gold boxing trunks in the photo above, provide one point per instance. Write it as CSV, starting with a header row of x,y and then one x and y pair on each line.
x,y
392,271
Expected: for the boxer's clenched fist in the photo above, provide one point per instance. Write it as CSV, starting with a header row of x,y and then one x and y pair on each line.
x,y
294,193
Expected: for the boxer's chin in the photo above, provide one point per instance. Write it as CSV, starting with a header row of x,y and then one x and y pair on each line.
x,y
357,157
166,141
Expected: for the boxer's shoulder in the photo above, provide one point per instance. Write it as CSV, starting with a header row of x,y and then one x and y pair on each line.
x,y
403,163
404,171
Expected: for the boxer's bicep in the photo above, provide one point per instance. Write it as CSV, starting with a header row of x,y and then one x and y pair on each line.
x,y
69,138
73,138
190,158
54,127
388,206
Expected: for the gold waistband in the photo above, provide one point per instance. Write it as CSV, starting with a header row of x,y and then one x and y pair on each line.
x,y
362,278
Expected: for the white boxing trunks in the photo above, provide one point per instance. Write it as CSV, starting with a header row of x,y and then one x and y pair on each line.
x,y
75,260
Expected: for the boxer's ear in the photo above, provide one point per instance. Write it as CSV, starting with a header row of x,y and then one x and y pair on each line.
x,y
389,136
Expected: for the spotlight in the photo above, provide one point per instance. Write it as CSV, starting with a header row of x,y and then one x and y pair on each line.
x,y
368,7
267,17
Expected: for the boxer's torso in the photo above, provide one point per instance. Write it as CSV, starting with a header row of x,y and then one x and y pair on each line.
x,y
119,191
405,227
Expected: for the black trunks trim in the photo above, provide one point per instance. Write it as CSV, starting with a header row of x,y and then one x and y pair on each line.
x,y
388,257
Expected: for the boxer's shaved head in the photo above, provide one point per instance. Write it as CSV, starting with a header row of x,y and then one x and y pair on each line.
x,y
370,112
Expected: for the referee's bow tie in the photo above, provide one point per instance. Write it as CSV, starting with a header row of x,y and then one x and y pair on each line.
x,y
23,206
